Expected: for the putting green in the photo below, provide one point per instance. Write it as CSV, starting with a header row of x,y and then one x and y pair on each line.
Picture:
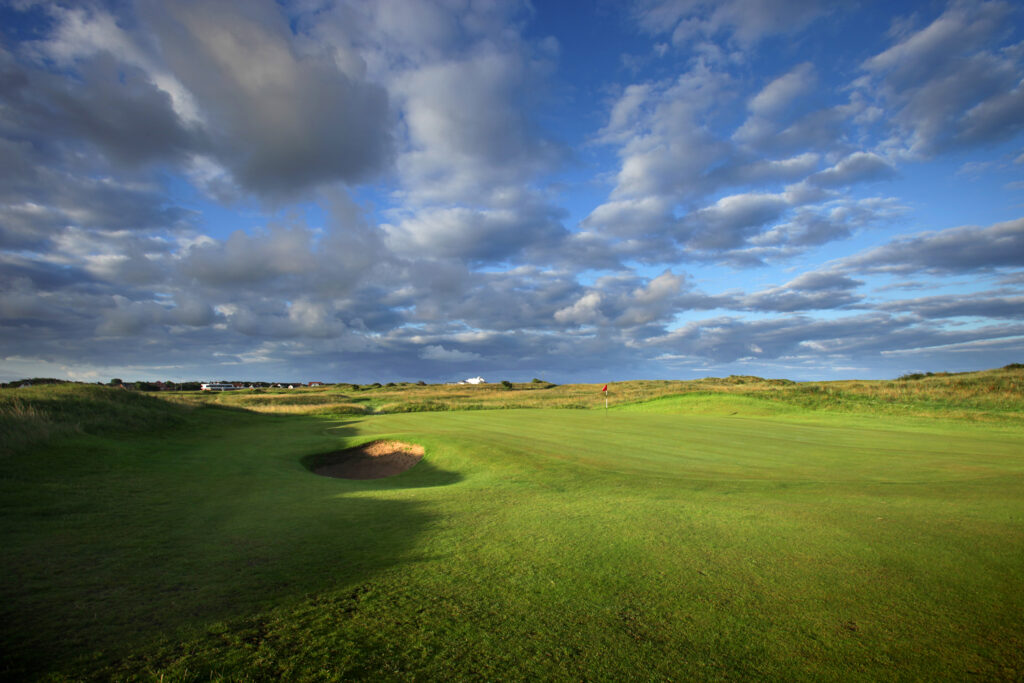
x,y
723,449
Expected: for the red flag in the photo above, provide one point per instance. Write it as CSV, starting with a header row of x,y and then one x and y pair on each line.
x,y
605,388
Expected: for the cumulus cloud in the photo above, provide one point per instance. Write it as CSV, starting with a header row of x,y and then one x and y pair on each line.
x,y
632,217
811,291
858,167
796,337
947,84
745,21
731,220
778,94
954,250
468,136
295,121
774,107
833,220
180,82
114,107
155,156
980,305
628,302
668,149
475,235
245,259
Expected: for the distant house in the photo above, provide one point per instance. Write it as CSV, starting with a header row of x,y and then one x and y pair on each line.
x,y
216,386
474,380
316,384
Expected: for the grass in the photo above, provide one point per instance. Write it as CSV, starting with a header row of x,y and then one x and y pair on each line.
x,y
991,395
720,533
37,414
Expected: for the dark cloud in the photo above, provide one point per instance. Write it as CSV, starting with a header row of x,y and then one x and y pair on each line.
x,y
281,121
955,250
110,105
982,305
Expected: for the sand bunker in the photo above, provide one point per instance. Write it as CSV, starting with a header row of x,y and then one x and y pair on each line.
x,y
374,460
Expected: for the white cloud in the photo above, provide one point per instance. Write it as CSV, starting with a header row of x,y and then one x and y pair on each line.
x,y
440,353
858,167
948,84
780,93
474,235
745,21
585,311
962,249
730,221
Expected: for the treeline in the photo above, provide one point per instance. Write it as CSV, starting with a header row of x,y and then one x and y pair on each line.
x,y
32,381
137,386
193,386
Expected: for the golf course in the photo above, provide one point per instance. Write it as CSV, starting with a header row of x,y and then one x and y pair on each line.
x,y
739,529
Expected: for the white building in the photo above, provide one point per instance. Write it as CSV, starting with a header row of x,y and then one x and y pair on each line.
x,y
474,380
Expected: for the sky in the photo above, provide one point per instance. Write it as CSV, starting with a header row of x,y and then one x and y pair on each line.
x,y
407,190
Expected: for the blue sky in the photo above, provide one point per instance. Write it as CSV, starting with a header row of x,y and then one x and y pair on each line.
x,y
412,189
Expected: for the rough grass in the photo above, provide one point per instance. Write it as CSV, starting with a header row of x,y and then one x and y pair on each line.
x,y
32,415
991,395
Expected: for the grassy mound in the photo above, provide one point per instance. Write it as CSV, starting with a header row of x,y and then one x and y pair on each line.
x,y
36,414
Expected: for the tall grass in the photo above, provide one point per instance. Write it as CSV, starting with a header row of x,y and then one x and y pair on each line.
x,y
32,415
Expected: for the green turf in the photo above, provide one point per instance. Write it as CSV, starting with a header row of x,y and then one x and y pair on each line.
x,y
691,538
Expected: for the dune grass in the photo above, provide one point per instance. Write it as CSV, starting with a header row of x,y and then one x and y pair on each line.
x,y
700,536
990,395
36,414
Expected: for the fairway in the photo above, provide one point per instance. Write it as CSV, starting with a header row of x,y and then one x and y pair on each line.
x,y
567,544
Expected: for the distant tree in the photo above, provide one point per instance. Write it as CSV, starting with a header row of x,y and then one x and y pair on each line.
x,y
505,383
421,383
537,381
116,382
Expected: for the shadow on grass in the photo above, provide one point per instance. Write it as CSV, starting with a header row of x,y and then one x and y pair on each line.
x,y
114,544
